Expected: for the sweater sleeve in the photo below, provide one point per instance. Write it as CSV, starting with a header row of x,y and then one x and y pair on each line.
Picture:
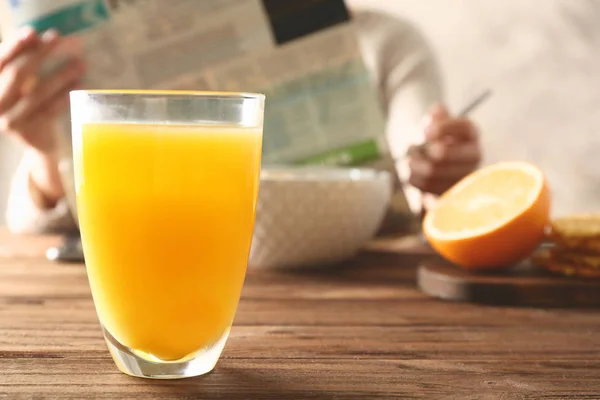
x,y
409,81
24,216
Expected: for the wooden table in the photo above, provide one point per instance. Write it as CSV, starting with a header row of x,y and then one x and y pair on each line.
x,y
359,332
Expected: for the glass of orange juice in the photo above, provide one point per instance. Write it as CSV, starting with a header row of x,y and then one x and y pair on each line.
x,y
166,185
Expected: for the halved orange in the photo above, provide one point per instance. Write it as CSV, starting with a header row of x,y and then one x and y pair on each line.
x,y
492,218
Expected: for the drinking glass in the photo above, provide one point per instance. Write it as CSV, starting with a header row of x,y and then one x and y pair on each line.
x,y
166,185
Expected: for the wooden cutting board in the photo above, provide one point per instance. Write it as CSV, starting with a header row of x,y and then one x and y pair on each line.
x,y
524,285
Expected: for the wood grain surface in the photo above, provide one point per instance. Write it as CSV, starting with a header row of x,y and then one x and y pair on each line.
x,y
358,331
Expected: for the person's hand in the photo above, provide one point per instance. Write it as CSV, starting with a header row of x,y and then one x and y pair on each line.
x,y
451,152
29,103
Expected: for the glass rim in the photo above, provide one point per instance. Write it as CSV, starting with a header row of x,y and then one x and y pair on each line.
x,y
171,93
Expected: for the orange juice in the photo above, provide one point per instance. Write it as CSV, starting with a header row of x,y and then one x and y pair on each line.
x,y
166,215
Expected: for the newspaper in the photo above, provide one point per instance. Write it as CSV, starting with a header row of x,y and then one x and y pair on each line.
x,y
322,106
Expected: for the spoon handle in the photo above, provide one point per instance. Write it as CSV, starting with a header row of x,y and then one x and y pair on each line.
x,y
475,103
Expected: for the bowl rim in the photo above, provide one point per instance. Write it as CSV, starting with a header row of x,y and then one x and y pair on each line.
x,y
321,174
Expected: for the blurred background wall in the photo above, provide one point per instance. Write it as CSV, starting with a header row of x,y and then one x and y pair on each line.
x,y
542,60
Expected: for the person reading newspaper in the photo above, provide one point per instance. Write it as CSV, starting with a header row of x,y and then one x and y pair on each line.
x,y
395,53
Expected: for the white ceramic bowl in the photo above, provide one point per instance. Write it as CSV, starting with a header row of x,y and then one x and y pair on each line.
x,y
316,216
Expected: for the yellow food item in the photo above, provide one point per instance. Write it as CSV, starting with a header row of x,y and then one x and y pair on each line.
x,y
493,218
167,215
567,263
577,232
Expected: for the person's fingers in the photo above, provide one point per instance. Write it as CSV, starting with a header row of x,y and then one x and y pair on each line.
x,y
34,130
59,105
436,178
439,113
428,182
49,37
429,170
458,153
20,74
436,114
436,186
59,102
460,129
28,106
10,48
